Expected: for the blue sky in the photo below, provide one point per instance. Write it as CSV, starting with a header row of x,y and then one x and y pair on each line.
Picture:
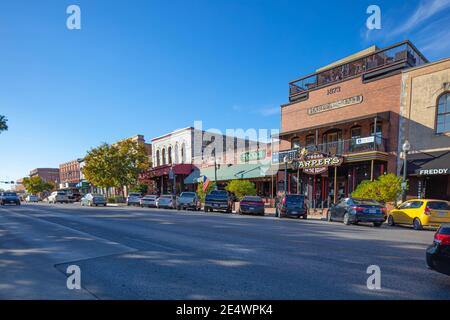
x,y
150,67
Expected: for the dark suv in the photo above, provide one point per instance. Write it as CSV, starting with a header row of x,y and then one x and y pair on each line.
x,y
219,200
292,205
9,198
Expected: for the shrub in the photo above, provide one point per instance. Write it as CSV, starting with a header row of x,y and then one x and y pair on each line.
x,y
201,194
386,188
241,188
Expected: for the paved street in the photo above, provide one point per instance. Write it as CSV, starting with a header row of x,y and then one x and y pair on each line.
x,y
139,253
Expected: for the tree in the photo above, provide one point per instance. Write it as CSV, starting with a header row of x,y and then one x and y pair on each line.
x,y
3,125
241,188
142,188
201,194
35,185
116,165
386,188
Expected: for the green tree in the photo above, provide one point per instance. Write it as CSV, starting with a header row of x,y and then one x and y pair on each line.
x,y
241,188
116,165
386,188
3,125
35,185
142,188
201,194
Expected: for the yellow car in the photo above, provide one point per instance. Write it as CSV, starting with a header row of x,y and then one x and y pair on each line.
x,y
421,213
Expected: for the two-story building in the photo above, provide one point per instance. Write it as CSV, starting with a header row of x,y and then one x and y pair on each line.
x,y
425,123
342,124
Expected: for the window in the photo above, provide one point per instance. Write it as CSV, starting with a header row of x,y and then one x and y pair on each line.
x,y
355,132
169,155
310,140
443,114
177,159
163,156
158,161
378,134
411,205
295,143
183,153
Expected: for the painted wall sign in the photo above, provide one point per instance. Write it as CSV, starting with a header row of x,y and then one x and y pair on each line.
x,y
333,90
335,105
317,163
429,172
253,155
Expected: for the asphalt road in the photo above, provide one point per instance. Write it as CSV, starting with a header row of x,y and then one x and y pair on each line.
x,y
134,253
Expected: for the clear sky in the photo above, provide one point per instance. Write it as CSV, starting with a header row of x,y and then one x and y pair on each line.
x,y
150,67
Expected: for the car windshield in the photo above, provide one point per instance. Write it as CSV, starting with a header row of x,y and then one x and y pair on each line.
x,y
295,199
187,195
166,197
444,230
366,202
134,194
252,199
10,194
438,205
150,197
61,193
219,193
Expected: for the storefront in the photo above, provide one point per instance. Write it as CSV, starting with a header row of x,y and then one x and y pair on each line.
x,y
168,176
429,175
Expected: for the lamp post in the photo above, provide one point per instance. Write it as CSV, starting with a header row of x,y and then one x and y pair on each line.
x,y
285,159
406,147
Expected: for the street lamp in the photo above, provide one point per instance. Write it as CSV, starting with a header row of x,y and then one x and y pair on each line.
x,y
285,159
406,147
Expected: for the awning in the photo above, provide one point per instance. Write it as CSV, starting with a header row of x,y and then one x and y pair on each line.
x,y
432,163
226,172
178,169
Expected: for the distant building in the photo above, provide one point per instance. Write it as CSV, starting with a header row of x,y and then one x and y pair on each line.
x,y
69,173
46,174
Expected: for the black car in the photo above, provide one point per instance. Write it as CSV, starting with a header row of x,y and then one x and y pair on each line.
x,y
354,210
251,205
9,198
438,255
219,200
292,205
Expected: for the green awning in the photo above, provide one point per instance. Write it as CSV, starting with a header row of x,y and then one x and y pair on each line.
x,y
232,172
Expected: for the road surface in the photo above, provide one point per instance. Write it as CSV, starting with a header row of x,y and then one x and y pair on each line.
x,y
135,253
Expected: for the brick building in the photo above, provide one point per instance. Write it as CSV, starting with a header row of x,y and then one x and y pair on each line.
x,y
341,124
46,174
69,173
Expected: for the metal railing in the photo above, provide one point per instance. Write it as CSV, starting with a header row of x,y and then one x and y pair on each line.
x,y
403,52
341,147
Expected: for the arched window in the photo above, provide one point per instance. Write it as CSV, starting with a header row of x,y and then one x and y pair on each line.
x,y
169,154
310,141
295,143
163,156
443,114
158,159
176,156
183,153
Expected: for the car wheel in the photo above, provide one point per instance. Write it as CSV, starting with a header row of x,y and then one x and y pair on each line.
x,y
417,224
178,208
347,219
329,219
305,217
205,209
377,224
391,221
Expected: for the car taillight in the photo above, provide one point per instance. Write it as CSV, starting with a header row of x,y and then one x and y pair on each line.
x,y
442,238
427,211
384,210
358,209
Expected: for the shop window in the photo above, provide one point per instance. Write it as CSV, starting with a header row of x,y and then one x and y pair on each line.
x,y
443,114
295,143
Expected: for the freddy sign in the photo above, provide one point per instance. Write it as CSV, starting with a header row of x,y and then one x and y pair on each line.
x,y
317,163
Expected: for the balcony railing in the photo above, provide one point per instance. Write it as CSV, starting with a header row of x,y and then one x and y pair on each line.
x,y
342,147
403,52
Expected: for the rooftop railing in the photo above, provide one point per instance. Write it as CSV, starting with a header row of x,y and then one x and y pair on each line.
x,y
400,53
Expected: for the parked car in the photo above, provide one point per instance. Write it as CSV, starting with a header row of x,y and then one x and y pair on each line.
x,y
438,254
134,199
9,198
166,201
31,198
292,205
58,197
149,201
354,210
220,200
251,205
421,213
188,200
92,199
